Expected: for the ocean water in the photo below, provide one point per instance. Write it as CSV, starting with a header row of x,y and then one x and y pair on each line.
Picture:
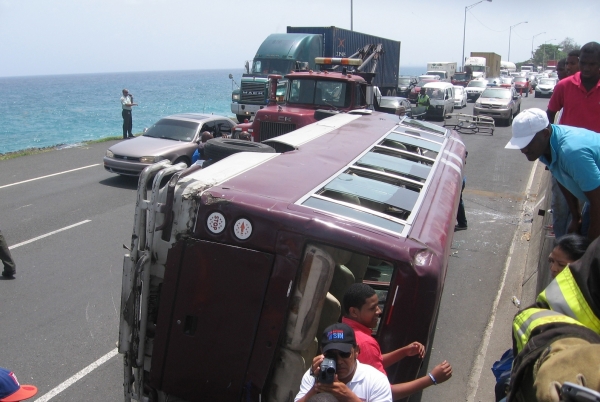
x,y
42,111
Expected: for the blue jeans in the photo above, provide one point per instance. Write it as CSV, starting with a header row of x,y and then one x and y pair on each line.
x,y
561,216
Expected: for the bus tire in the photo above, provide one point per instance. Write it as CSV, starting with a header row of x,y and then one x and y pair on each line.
x,y
219,148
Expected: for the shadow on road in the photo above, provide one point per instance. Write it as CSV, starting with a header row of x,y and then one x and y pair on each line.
x,y
126,182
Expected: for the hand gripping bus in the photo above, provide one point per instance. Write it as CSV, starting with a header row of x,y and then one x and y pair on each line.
x,y
235,269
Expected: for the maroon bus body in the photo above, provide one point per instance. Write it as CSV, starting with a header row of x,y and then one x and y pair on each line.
x,y
229,358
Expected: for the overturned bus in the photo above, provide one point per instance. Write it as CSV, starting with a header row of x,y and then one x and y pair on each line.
x,y
235,269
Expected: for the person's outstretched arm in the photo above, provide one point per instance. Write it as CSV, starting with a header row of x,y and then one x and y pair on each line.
x,y
441,373
414,349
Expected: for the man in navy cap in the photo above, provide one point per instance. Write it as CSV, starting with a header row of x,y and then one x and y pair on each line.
x,y
353,381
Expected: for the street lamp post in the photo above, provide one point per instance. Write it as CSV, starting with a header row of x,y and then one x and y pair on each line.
x,y
509,35
544,54
352,15
465,30
532,54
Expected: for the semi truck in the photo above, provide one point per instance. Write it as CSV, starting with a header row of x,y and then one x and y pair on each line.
x,y
340,87
296,50
444,69
484,64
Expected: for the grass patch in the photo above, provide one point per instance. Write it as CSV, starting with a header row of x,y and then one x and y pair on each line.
x,y
36,151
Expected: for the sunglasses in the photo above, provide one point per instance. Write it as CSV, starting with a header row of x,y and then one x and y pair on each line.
x,y
335,354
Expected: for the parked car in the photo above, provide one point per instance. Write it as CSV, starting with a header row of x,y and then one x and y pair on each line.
x,y
522,85
460,96
506,82
499,103
414,92
173,137
389,104
405,84
545,87
475,88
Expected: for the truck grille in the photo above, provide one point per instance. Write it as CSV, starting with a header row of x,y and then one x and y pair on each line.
x,y
253,93
271,130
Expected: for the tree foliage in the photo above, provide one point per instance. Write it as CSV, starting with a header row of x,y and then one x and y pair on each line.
x,y
548,51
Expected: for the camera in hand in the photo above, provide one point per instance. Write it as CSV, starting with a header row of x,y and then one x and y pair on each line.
x,y
328,368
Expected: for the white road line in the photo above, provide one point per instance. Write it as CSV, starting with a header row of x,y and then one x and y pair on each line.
x,y
50,175
475,374
48,234
61,387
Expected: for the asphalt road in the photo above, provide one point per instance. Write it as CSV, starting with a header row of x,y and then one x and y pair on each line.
x,y
60,316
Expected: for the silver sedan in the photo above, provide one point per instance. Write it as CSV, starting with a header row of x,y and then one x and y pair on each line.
x,y
173,137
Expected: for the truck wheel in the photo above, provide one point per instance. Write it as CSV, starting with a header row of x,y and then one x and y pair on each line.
x,y
241,117
219,148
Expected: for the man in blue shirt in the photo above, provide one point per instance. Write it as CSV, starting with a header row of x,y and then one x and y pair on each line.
x,y
572,155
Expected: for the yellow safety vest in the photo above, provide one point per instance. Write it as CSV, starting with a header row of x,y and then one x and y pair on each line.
x,y
423,100
564,296
527,320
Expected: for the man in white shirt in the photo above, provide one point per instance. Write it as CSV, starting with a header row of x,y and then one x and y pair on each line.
x,y
352,381
126,104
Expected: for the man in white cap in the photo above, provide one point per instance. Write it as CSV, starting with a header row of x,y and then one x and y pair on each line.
x,y
572,155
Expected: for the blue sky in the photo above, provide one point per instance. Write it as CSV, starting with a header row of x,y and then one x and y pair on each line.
x,y
42,37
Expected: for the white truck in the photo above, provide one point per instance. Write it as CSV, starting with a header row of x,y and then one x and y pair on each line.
x,y
444,69
477,66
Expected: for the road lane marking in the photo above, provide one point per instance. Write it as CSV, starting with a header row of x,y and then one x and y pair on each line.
x,y
48,234
61,387
475,374
50,175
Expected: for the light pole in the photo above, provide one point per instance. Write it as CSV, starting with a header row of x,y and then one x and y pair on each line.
x,y
544,54
351,15
465,30
509,35
532,43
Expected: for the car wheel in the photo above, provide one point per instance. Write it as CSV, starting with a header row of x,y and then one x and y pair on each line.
x,y
219,148
509,120
182,159
241,117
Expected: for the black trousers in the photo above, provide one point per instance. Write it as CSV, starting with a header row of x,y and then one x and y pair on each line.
x,y
127,123
9,263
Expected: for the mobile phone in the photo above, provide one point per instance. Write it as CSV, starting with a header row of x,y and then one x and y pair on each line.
x,y
577,393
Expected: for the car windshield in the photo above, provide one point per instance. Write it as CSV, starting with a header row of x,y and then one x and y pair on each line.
x,y
479,84
310,91
458,90
389,102
460,76
547,82
520,79
423,82
507,80
435,93
404,80
176,130
496,93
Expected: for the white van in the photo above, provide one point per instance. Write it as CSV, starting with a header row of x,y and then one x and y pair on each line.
x,y
441,98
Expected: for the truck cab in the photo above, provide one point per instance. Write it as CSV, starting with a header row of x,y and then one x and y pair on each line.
x,y
278,54
234,269
306,92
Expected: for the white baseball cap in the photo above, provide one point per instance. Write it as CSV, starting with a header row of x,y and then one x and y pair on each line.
x,y
525,126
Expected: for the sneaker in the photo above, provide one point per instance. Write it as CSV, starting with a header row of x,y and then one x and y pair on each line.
x,y
458,227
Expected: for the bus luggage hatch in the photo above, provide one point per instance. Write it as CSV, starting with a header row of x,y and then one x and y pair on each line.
x,y
215,299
